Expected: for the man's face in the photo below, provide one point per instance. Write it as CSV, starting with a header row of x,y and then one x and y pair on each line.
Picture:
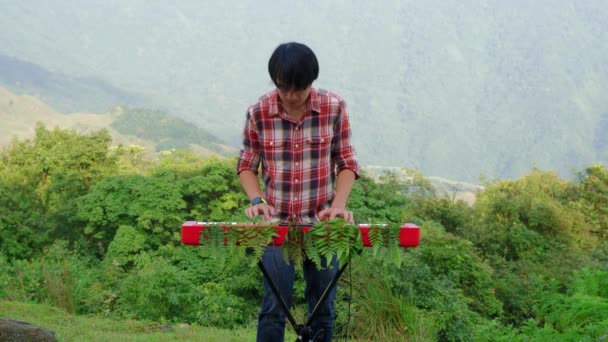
x,y
293,98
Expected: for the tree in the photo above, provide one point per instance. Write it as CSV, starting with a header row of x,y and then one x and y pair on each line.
x,y
153,205
45,175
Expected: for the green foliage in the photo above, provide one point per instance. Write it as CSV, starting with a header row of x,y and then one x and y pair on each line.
x,y
531,231
453,215
495,331
505,270
125,246
212,191
455,260
593,202
584,309
60,155
529,219
23,232
22,280
60,276
530,202
133,159
379,202
46,175
152,205
220,243
381,315
329,238
322,241
591,283
385,243
221,308
444,278
158,291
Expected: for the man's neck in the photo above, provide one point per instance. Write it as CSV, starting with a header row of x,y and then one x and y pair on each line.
x,y
296,113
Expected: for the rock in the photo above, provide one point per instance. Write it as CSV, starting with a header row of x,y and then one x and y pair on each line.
x,y
18,331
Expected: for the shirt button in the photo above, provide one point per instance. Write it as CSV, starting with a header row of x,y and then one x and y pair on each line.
x,y
297,145
296,180
297,163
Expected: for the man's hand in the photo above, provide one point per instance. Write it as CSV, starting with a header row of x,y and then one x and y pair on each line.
x,y
332,213
261,209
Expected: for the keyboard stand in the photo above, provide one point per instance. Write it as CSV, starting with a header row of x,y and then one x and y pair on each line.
x,y
304,331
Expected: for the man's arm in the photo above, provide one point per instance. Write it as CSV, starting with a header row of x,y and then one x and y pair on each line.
x,y
248,162
250,184
344,156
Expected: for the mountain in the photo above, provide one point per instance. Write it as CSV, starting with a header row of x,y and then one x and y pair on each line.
x,y
67,94
156,130
458,89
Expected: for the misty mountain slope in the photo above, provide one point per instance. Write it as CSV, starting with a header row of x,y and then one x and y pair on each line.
x,y
155,130
67,94
457,89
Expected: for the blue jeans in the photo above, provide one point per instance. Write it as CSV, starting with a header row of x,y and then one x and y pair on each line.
x,y
271,321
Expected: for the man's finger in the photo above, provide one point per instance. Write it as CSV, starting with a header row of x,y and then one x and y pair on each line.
x,y
348,215
252,212
321,215
266,211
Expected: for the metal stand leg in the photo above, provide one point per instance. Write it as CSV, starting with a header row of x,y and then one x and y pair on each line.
x,y
304,332
276,293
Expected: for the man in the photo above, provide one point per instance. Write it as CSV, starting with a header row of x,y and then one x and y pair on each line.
x,y
301,136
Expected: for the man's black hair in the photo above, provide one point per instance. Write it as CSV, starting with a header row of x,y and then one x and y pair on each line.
x,y
293,66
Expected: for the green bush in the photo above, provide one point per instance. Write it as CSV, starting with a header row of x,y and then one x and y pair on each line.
x,y
60,277
377,313
582,311
22,280
125,246
158,291
453,215
220,308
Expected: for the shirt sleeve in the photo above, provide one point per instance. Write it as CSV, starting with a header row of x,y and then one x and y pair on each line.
x,y
343,152
249,157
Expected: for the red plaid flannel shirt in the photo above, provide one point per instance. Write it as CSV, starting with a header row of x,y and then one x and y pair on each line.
x,y
300,160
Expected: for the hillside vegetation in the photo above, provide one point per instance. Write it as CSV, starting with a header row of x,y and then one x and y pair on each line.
x,y
94,230
153,130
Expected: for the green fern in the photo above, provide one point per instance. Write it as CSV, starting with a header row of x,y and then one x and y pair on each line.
x,y
213,238
323,241
329,238
391,251
222,244
294,246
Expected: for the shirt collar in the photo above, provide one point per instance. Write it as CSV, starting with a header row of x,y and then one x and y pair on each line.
x,y
275,102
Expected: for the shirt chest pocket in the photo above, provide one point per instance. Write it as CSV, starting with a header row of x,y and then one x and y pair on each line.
x,y
275,152
318,149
